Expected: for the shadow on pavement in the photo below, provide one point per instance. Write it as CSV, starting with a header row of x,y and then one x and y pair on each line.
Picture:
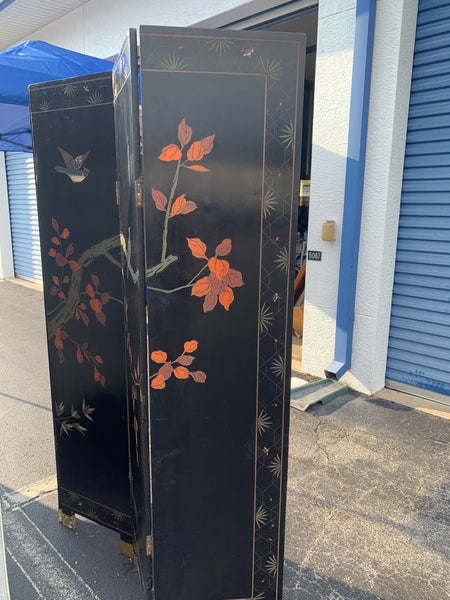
x,y
48,561
301,583
26,402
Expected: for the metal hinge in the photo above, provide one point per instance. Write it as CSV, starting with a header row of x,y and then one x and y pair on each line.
x,y
117,192
139,188
149,545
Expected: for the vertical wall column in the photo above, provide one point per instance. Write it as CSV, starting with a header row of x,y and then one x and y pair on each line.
x,y
6,255
388,115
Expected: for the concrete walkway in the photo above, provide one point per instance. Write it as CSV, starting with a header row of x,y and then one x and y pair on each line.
x,y
368,492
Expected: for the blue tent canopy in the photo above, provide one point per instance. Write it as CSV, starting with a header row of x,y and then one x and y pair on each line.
x,y
34,62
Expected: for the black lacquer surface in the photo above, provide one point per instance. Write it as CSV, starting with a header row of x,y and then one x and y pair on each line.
x,y
221,114
73,140
125,88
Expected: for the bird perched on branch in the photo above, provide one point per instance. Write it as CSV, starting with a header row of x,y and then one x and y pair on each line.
x,y
74,166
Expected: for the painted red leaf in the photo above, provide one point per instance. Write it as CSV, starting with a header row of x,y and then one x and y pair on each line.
x,y
82,306
99,359
55,280
80,357
181,372
219,267
60,259
201,288
217,285
56,241
190,346
159,199
198,248
90,291
96,305
170,152
58,342
62,334
74,265
185,360
53,291
224,248
179,205
65,233
198,376
61,295
196,151
197,168
226,298
208,143
61,356
69,250
84,318
52,252
101,317
210,302
184,133
235,278
84,345
158,356
104,298
166,371
102,381
55,225
66,279
189,207
158,382
95,280
96,374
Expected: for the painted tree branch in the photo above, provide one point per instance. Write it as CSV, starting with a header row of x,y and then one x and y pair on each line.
x,y
181,287
161,266
67,309
168,209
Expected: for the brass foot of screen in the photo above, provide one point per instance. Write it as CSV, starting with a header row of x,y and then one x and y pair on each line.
x,y
68,521
127,549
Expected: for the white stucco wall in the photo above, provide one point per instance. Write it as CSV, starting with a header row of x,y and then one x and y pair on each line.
x,y
388,112
6,257
99,28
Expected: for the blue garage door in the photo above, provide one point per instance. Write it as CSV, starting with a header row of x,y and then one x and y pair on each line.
x,y
23,216
419,343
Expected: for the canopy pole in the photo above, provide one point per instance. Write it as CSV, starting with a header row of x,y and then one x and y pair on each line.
x,y
4,139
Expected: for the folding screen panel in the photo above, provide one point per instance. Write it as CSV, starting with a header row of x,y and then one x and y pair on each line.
x,y
129,193
73,140
221,113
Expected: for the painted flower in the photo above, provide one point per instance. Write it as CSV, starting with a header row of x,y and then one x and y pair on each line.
x,y
218,285
177,368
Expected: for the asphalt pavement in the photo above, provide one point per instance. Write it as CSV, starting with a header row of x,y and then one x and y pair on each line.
x,y
368,492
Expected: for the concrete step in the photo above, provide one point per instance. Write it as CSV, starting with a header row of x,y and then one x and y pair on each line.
x,y
323,391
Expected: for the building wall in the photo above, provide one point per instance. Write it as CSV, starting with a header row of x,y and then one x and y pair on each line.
x,y
388,113
99,28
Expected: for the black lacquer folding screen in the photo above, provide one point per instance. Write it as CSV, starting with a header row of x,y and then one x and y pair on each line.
x,y
207,140
73,141
219,175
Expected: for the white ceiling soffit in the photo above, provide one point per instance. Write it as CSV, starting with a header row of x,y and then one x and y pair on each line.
x,y
20,18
